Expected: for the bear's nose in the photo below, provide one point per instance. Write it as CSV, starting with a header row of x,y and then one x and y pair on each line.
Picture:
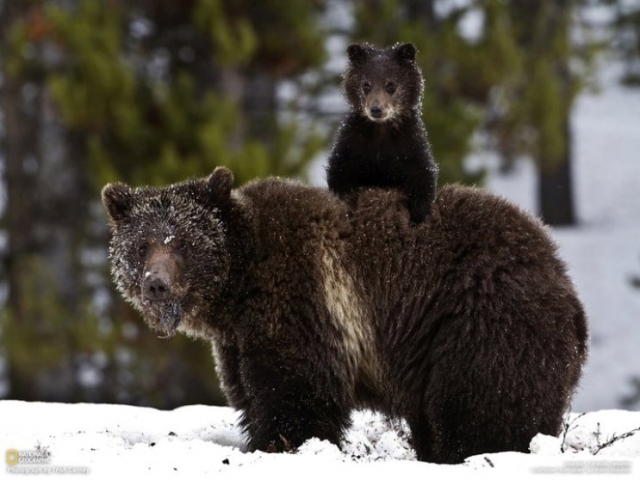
x,y
156,288
376,111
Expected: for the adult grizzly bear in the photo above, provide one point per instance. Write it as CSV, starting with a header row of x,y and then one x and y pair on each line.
x,y
466,324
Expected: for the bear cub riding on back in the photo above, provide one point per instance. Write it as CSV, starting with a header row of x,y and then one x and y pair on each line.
x,y
382,142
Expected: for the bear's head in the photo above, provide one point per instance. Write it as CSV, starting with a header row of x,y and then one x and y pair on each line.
x,y
383,84
168,248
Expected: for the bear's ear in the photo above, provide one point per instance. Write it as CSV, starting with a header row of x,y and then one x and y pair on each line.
x,y
217,187
221,181
406,51
117,198
357,54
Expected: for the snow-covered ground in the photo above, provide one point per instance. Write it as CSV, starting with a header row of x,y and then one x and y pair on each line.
x,y
116,441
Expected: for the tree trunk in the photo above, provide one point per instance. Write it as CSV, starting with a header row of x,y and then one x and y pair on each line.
x,y
555,188
18,208
16,218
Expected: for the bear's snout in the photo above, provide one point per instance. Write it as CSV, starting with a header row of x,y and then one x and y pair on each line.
x,y
379,106
162,274
156,288
376,111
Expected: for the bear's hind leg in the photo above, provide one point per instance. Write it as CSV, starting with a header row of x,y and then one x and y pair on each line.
x,y
421,438
452,440
467,415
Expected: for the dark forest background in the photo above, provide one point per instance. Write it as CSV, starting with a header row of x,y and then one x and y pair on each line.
x,y
154,91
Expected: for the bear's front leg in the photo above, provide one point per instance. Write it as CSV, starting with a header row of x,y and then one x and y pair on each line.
x,y
226,353
292,400
421,192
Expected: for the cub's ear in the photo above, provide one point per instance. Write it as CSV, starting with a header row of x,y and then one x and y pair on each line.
x,y
406,51
117,198
357,54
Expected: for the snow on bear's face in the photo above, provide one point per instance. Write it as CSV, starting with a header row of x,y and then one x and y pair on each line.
x,y
168,248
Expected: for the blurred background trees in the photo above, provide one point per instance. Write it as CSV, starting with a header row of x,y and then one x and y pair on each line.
x,y
152,92
149,93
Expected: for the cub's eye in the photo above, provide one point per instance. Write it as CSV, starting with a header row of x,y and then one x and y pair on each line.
x,y
366,87
143,249
390,87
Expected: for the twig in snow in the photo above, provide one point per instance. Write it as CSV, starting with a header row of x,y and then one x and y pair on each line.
x,y
614,439
568,426
597,433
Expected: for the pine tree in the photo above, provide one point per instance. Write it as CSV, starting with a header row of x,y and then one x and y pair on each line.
x,y
626,38
29,331
535,113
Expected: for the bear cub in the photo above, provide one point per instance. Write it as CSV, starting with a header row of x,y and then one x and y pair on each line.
x,y
382,142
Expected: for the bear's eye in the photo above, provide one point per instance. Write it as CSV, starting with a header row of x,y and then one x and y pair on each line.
x,y
182,248
366,87
390,87
142,249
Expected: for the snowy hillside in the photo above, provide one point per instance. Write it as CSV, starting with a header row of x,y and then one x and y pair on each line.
x,y
115,441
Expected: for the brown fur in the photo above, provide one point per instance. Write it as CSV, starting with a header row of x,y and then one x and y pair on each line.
x,y
466,324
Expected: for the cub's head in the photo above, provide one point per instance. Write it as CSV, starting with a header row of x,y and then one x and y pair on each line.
x,y
168,250
383,84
